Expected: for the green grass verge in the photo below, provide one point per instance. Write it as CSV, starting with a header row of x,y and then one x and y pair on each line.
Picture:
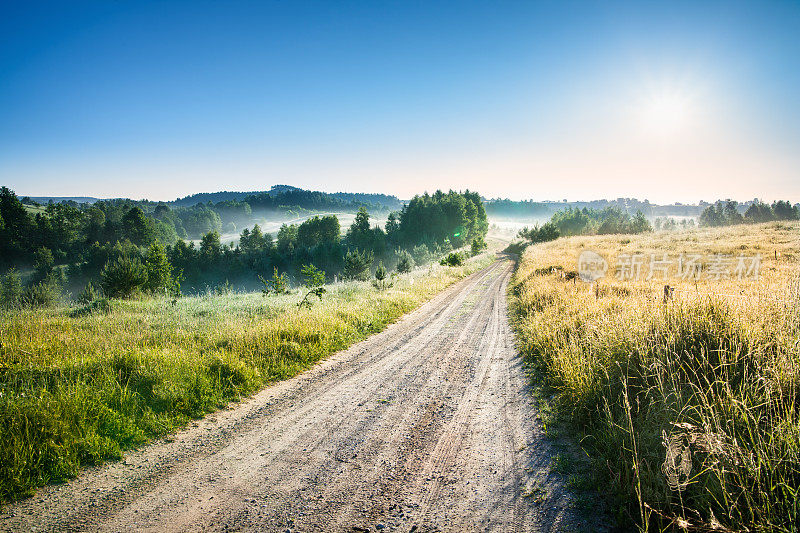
x,y
79,386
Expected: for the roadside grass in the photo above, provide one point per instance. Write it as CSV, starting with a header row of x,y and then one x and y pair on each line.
x,y
689,409
78,386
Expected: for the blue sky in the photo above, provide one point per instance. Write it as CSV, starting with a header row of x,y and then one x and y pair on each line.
x,y
671,101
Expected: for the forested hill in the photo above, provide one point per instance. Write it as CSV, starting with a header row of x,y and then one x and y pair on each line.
x,y
288,196
114,242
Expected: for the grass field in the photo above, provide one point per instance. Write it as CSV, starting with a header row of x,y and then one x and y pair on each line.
x,y
78,386
688,407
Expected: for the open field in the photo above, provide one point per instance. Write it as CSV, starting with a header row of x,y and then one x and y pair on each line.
x,y
687,408
79,385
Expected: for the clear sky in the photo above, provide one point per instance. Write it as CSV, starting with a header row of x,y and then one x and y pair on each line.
x,y
670,101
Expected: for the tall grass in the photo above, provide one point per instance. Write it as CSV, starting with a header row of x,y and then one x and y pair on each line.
x,y
689,408
80,385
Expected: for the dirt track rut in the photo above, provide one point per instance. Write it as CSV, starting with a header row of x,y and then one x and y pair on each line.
x,y
426,426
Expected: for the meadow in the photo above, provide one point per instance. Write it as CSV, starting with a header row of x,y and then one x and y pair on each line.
x,y
685,407
80,384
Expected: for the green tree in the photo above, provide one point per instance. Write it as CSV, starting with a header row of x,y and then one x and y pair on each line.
x,y
278,284
405,262
287,239
392,228
478,245
361,236
356,264
254,242
95,225
123,277
159,271
15,236
380,276
640,223
758,211
318,231
138,228
42,263
10,289
211,246
314,281
731,212
785,211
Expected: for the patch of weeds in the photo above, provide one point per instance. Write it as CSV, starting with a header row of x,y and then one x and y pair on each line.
x,y
562,464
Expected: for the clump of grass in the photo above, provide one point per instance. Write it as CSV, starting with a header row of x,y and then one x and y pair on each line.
x,y
688,408
78,386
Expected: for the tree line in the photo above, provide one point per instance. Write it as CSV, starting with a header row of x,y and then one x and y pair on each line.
x,y
729,212
587,221
287,195
120,249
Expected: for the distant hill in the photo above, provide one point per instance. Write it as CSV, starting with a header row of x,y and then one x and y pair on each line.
x,y
58,199
290,195
213,197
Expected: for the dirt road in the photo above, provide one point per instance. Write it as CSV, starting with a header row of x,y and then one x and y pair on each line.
x,y
426,426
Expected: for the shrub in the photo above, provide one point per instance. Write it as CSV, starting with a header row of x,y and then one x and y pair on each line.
x,y
43,294
123,277
478,245
277,285
380,277
452,259
405,263
88,295
547,232
356,265
421,254
516,247
43,263
10,289
314,279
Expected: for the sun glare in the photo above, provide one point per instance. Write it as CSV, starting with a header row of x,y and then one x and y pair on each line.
x,y
665,114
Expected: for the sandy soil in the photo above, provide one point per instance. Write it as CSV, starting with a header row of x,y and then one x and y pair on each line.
x,y
427,426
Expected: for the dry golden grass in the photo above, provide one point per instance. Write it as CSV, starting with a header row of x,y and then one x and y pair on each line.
x,y
689,408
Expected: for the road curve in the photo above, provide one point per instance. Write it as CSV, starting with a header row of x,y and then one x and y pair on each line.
x,y
427,426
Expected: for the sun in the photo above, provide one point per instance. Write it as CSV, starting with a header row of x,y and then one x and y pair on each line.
x,y
665,113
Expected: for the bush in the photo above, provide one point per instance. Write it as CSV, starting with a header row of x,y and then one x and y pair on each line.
x,y
88,295
43,263
277,285
421,254
123,277
356,265
478,245
43,294
10,289
314,279
547,232
515,247
405,263
380,277
452,259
